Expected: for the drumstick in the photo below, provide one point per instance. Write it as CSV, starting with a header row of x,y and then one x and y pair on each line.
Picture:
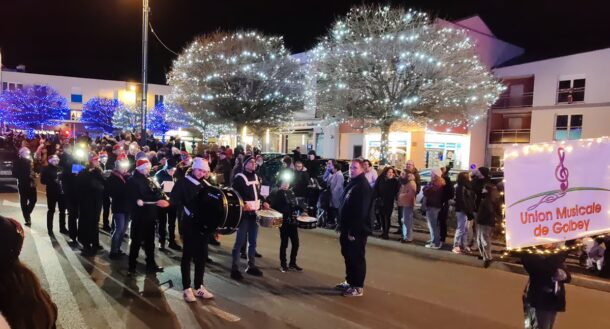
x,y
142,203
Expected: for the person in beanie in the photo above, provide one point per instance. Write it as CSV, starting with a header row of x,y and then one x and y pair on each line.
x,y
464,211
434,202
26,184
195,215
51,177
490,210
355,227
23,302
116,186
143,201
90,186
167,216
247,185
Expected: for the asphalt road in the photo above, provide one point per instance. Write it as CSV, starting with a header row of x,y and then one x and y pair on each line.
x,y
402,290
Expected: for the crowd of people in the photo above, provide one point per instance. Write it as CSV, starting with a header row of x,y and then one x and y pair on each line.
x,y
157,190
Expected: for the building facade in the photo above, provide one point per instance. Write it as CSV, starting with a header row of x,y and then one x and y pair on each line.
x,y
556,99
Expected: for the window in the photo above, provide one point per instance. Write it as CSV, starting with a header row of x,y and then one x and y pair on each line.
x,y
570,91
568,127
4,86
158,99
11,86
76,98
19,86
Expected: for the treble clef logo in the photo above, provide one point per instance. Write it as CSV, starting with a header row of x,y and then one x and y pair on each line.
x,y
561,174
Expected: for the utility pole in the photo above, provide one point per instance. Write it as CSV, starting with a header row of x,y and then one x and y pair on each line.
x,y
145,11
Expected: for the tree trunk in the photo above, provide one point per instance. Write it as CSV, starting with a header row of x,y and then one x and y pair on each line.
x,y
238,137
385,143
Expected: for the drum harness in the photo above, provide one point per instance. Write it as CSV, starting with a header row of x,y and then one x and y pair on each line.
x,y
253,183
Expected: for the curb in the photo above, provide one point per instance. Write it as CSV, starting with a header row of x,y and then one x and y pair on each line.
x,y
444,255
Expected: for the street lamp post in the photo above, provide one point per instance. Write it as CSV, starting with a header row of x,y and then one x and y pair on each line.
x,y
145,11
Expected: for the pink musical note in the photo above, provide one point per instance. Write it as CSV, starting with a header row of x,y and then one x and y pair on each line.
x,y
561,174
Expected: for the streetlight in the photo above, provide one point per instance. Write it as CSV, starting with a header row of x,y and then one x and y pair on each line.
x,y
145,11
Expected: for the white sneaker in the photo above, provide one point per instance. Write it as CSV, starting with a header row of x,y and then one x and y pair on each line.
x,y
429,245
203,293
456,250
189,297
353,292
343,286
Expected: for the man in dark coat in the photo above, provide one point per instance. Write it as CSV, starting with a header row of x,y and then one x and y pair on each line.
x,y
90,189
69,166
355,227
116,186
26,184
448,194
223,169
51,177
143,200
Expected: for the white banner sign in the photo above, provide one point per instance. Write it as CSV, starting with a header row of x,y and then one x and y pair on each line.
x,y
556,192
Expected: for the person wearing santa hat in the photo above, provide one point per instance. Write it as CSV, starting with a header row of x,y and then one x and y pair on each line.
x,y
51,177
26,183
90,186
195,215
143,201
116,188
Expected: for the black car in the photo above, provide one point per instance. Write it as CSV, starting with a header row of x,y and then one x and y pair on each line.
x,y
8,155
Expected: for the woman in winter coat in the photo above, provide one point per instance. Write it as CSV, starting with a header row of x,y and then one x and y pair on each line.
x,y
334,180
464,210
386,191
406,202
434,192
490,210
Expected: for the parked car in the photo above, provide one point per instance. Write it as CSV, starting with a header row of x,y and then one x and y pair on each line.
x,y
8,155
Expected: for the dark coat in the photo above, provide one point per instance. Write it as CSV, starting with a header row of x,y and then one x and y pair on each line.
x,y
355,207
464,200
434,195
116,186
183,192
490,209
285,202
246,192
541,293
223,167
51,177
387,190
140,188
301,181
90,196
23,171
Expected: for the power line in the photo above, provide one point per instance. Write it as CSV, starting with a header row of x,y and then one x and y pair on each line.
x,y
159,39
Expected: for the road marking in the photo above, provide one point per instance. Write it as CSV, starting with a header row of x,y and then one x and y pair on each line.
x,y
69,315
97,294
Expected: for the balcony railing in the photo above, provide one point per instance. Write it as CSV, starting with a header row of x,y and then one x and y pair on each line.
x,y
508,101
509,136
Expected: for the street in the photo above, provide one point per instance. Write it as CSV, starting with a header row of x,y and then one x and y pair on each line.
x,y
402,291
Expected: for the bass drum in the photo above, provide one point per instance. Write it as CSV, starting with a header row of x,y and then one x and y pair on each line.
x,y
228,206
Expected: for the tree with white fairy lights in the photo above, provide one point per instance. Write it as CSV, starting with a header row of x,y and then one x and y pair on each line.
x,y
380,65
232,80
127,118
98,114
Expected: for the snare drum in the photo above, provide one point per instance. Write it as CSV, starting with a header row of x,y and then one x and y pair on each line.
x,y
307,223
269,218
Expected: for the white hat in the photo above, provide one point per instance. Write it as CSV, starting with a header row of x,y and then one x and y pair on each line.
x,y
437,171
24,152
53,157
201,163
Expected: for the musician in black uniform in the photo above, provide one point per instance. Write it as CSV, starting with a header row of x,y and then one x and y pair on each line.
x,y
51,177
26,184
106,169
69,164
247,185
167,216
190,195
285,201
90,186
144,198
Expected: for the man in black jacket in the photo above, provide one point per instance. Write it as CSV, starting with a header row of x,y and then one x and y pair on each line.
x,y
26,184
223,169
354,227
116,185
51,177
142,202
167,216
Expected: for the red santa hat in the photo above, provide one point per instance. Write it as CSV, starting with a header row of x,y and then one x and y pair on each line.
x,y
116,147
93,157
121,156
143,164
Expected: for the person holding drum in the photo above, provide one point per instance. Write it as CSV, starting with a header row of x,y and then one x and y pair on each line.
x,y
195,232
247,185
285,201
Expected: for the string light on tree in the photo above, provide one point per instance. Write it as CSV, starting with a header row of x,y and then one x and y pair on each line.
x,y
232,80
98,113
380,65
33,107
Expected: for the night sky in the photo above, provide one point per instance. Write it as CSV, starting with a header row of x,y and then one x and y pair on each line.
x,y
102,38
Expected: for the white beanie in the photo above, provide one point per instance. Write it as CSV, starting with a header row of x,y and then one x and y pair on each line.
x,y
201,163
437,171
24,152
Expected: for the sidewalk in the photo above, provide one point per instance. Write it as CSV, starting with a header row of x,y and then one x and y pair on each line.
x,y
580,276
